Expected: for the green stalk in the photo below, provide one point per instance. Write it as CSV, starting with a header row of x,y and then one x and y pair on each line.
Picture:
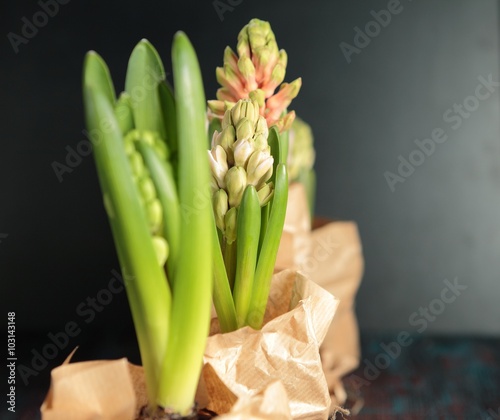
x,y
192,289
96,74
222,296
269,250
264,221
162,176
147,290
248,228
230,261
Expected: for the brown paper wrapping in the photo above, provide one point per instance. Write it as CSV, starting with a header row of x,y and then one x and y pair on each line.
x,y
271,374
116,390
332,257
268,404
94,390
297,318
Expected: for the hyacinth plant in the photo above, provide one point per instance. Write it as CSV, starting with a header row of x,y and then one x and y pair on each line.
x,y
150,154
250,191
248,154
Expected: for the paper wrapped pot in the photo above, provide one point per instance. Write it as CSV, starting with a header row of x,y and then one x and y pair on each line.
x,y
274,373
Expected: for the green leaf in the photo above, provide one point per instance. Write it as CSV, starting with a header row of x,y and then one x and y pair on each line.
x,y
222,296
248,233
167,102
269,250
193,283
275,145
144,73
147,289
96,74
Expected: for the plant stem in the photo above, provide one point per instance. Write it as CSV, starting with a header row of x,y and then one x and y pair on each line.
x,y
264,219
230,261
248,226
269,250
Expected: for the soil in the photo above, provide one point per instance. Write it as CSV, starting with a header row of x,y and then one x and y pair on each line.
x,y
202,414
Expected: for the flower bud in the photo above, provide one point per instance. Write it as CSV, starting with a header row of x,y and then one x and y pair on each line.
x,y
129,145
220,205
261,127
259,168
236,111
147,189
214,186
264,56
277,76
161,248
230,58
226,139
242,151
244,129
155,214
260,143
148,137
265,193
287,92
236,181
227,119
242,46
137,164
247,68
288,120
217,107
218,164
258,96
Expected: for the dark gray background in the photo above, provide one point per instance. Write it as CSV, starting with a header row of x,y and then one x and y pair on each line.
x,y
441,223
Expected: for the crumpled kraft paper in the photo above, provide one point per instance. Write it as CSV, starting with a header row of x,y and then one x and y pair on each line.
x,y
271,374
116,390
297,318
268,404
94,390
332,256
